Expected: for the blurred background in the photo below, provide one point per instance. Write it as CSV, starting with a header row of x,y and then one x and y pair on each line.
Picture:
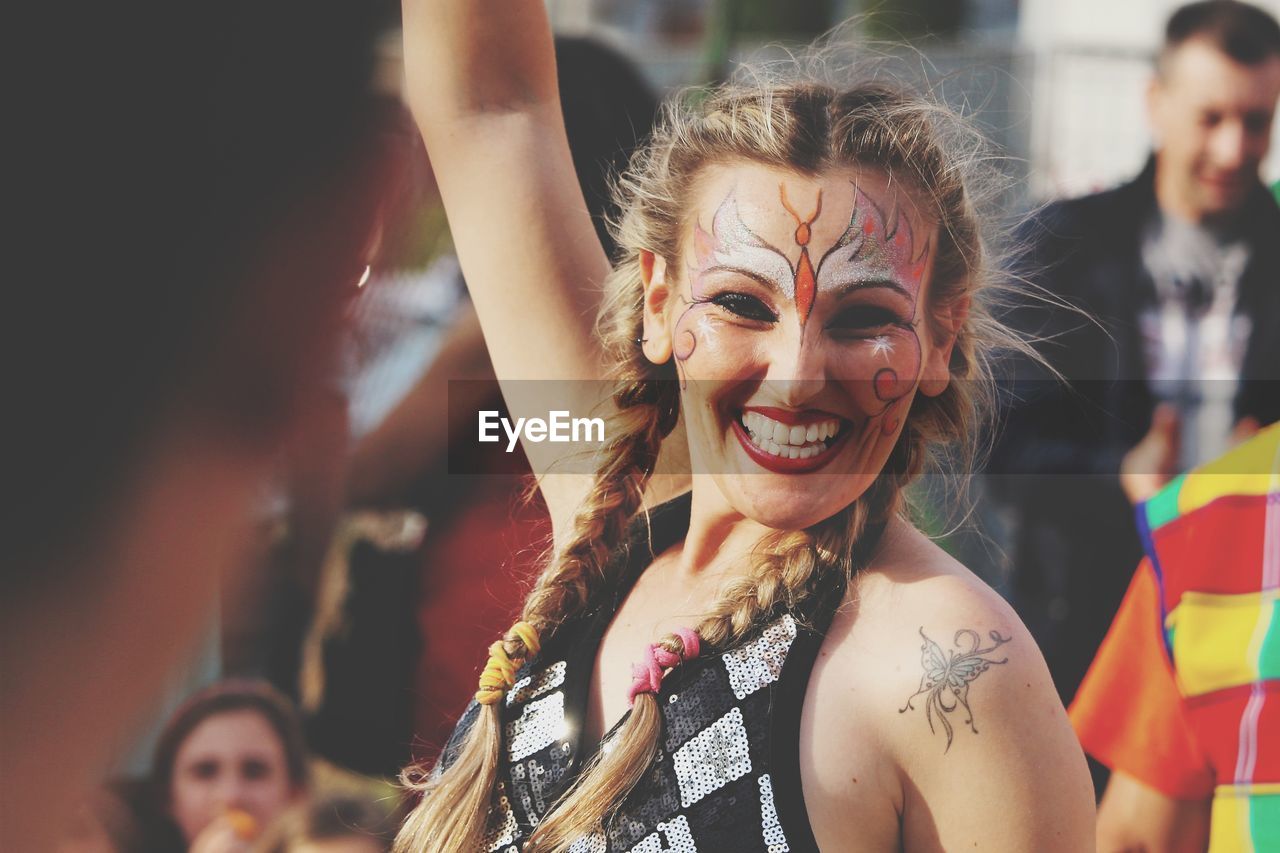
x,y
1059,85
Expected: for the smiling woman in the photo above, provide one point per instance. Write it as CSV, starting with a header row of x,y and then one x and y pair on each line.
x,y
800,284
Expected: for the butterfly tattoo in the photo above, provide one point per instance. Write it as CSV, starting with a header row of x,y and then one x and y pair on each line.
x,y
947,676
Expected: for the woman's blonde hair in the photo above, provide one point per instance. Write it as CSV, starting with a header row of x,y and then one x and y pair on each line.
x,y
807,128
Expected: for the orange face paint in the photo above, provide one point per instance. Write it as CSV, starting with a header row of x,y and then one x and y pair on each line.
x,y
806,283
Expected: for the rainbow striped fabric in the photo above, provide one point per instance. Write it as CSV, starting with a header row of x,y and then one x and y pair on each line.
x,y
1213,538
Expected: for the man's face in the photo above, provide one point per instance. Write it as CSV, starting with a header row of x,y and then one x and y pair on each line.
x,y
1212,117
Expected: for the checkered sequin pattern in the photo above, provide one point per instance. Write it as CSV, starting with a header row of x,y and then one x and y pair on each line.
x,y
711,784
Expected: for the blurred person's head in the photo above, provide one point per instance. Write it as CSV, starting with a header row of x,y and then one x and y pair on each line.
x,y
609,110
201,193
332,824
1211,106
236,746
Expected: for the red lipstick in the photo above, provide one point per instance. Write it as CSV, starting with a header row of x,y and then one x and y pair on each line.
x,y
791,417
780,465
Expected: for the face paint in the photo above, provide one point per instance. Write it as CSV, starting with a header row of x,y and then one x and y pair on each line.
x,y
874,247
805,282
878,250
731,246
795,309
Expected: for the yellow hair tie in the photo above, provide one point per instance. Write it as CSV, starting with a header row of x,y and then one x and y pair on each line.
x,y
500,670
527,635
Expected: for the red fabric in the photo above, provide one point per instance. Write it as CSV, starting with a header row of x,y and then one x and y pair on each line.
x,y
1128,712
1216,718
1201,558
479,563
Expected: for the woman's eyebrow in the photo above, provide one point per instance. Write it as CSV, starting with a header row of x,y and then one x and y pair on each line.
x,y
846,287
749,273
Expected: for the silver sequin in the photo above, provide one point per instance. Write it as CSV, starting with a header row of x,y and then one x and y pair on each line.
x,y
677,836
774,839
713,758
533,686
502,827
593,843
759,662
540,724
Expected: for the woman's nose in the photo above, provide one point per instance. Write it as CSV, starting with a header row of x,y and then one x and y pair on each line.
x,y
797,369
232,791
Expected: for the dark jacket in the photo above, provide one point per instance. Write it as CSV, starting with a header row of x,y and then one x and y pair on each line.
x,y
1074,542
1086,252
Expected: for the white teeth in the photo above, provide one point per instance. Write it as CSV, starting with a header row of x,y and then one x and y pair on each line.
x,y
786,441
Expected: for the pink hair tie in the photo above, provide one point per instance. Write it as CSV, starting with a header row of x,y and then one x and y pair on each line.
x,y
647,677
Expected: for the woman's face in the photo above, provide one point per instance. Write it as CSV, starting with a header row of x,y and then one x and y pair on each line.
x,y
796,317
233,760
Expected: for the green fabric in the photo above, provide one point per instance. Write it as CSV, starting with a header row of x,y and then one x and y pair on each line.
x,y
1269,654
1163,508
1264,821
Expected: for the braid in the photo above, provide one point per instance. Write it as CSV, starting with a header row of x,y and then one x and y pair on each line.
x,y
453,812
647,409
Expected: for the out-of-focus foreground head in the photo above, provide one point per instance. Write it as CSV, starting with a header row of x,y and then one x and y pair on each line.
x,y
1211,106
197,186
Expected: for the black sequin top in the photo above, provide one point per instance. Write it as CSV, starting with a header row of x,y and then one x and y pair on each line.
x,y
727,772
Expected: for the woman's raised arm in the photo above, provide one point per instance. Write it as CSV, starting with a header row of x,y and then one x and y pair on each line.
x,y
481,83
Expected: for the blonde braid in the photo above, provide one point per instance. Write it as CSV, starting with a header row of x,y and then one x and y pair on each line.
x,y
453,812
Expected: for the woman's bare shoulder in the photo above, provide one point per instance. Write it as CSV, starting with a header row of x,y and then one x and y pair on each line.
x,y
952,693
914,603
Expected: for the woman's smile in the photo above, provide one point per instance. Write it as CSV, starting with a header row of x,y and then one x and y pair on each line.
x,y
788,441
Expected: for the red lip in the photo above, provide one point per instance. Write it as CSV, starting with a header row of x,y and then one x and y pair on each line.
x,y
793,418
789,466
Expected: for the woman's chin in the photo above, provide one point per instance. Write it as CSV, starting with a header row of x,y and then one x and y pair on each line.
x,y
792,502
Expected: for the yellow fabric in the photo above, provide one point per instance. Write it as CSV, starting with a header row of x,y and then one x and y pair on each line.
x,y
1231,829
1247,470
1229,825
1216,639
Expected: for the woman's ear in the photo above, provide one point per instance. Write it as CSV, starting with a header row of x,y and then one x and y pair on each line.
x,y
657,291
937,367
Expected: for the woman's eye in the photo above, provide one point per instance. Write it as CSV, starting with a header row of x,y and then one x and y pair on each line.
x,y
865,317
255,770
204,770
746,307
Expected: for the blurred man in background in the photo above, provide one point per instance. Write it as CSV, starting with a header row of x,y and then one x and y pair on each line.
x,y
1176,353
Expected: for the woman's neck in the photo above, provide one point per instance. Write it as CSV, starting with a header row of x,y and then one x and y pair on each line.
x,y
718,534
